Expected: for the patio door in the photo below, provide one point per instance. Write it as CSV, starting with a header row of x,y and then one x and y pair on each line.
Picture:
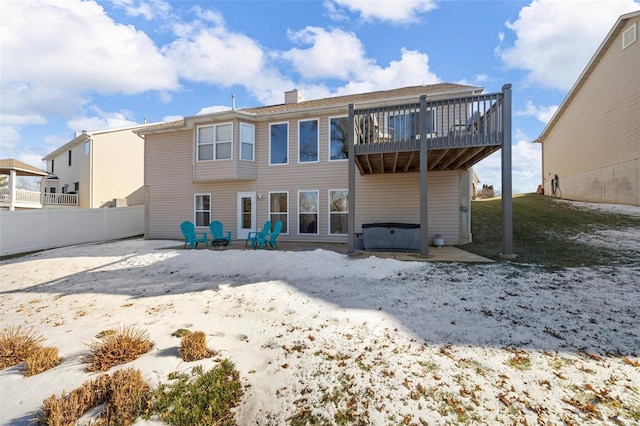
x,y
246,214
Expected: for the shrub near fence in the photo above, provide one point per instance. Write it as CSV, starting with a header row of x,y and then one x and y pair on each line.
x,y
41,229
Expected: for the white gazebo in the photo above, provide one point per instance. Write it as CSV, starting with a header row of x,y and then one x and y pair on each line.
x,y
12,198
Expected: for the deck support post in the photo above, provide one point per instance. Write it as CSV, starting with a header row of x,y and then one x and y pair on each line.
x,y
351,215
424,168
507,202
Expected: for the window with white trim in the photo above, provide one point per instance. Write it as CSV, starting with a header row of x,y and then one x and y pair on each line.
x,y
202,209
52,164
279,209
629,36
338,211
308,143
69,157
338,138
308,212
279,143
87,147
247,141
215,142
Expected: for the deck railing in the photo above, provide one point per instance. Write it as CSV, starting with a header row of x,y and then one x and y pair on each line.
x,y
450,123
60,199
24,196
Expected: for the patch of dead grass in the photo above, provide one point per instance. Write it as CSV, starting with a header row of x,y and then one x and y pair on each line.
x,y
40,360
117,346
193,347
124,395
16,344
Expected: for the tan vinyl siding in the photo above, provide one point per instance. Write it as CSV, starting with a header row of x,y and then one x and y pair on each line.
x,y
173,176
396,198
379,198
169,181
118,168
600,131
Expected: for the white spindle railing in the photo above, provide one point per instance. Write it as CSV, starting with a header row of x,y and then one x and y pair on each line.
x,y
63,199
24,196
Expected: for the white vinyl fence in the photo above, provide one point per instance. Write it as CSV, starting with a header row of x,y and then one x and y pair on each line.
x,y
23,231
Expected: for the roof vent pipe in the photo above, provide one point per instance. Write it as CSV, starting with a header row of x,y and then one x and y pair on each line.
x,y
233,102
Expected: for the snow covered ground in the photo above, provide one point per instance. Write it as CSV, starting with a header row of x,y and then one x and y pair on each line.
x,y
318,334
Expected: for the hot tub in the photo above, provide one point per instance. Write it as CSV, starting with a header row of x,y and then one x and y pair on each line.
x,y
391,236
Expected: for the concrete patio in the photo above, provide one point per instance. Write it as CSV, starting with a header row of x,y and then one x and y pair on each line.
x,y
436,254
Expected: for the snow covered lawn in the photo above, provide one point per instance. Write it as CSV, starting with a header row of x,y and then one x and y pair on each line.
x,y
319,336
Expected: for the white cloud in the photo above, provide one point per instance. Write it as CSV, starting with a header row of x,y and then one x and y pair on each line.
x,y
101,120
332,54
55,52
149,9
542,113
213,54
555,39
526,167
213,109
411,69
383,10
170,118
9,139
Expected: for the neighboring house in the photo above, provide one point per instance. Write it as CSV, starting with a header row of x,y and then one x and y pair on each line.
x,y
591,145
325,167
13,198
103,168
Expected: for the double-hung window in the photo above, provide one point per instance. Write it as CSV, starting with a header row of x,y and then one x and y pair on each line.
x,y
308,141
202,209
215,142
338,140
279,209
338,211
308,212
247,141
69,157
279,143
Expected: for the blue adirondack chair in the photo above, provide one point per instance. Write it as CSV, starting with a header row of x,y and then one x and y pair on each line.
x,y
218,232
191,237
269,239
253,235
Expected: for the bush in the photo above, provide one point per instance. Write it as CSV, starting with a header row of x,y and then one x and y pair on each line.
x,y
41,360
66,409
124,395
127,397
16,344
204,398
193,347
117,346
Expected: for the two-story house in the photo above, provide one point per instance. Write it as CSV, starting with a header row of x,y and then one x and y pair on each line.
x,y
591,145
331,168
101,169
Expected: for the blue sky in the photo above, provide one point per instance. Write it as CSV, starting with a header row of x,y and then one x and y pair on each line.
x,y
71,65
